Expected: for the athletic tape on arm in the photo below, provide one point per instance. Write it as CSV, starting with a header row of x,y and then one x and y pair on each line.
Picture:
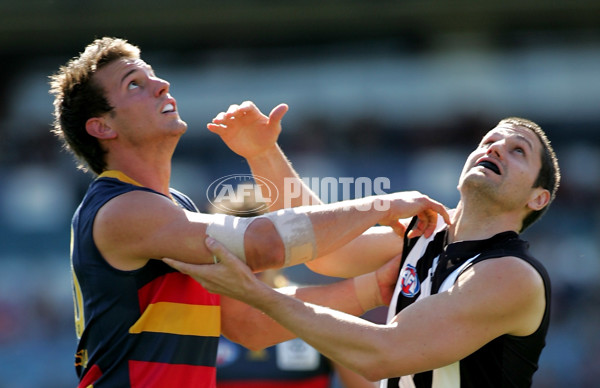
x,y
296,231
229,231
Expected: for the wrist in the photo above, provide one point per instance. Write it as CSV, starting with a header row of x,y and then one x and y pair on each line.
x,y
381,208
266,156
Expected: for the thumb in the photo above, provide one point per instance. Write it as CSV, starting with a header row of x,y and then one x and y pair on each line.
x,y
398,227
277,113
218,250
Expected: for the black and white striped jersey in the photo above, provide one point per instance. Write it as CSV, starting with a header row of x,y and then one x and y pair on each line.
x,y
431,266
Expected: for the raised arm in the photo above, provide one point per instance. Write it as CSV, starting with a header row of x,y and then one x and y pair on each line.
x,y
253,135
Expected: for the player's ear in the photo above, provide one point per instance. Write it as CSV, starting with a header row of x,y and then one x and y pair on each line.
x,y
99,128
539,199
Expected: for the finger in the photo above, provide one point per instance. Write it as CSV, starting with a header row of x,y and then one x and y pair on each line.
x,y
398,227
431,222
247,109
446,215
441,210
220,118
217,249
426,224
417,230
216,128
247,106
277,113
232,108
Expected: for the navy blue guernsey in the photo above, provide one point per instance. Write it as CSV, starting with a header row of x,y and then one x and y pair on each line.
x,y
152,327
429,266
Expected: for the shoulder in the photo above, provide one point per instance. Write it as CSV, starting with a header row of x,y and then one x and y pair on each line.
x,y
507,270
134,204
507,286
127,226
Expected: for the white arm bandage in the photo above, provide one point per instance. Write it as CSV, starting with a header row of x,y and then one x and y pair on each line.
x,y
229,231
294,228
296,231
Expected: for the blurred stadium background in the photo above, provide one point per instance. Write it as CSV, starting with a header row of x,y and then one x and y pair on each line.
x,y
397,89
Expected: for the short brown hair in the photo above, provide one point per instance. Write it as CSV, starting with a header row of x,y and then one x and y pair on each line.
x,y
549,176
77,98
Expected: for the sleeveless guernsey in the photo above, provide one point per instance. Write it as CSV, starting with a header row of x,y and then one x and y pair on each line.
x,y
152,327
429,267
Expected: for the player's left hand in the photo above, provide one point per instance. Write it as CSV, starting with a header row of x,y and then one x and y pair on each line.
x,y
246,130
406,204
229,276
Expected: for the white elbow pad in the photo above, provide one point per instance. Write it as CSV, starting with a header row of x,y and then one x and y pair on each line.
x,y
296,232
229,231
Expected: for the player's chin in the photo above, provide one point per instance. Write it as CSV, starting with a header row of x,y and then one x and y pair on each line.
x,y
179,127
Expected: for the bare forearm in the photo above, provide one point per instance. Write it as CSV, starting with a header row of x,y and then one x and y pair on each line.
x,y
336,224
292,191
343,338
351,379
353,342
364,254
254,329
337,333
322,229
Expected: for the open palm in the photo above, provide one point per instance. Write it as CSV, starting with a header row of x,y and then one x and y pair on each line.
x,y
246,130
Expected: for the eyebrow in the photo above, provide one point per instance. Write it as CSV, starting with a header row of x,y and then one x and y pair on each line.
x,y
526,140
518,136
136,69
127,75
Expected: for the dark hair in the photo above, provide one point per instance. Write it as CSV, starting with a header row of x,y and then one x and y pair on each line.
x,y
77,98
549,176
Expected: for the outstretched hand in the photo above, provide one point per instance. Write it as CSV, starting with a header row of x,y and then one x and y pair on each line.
x,y
409,204
229,276
246,130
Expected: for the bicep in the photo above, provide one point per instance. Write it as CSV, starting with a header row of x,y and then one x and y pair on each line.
x,y
364,254
487,301
137,226
431,334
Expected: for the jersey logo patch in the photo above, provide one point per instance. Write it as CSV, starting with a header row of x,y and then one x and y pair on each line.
x,y
409,282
